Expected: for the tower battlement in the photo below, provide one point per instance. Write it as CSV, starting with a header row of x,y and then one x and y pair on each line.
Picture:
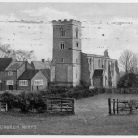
x,y
65,21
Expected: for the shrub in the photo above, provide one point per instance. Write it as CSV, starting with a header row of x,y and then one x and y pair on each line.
x,y
10,99
58,89
38,102
127,81
30,101
23,102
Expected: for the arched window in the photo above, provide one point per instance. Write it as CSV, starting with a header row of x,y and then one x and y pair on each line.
x,y
77,32
99,63
62,31
62,45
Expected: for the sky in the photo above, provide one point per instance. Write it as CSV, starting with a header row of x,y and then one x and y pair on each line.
x,y
100,27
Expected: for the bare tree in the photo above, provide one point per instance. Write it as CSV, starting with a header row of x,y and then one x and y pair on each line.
x,y
19,55
129,61
23,55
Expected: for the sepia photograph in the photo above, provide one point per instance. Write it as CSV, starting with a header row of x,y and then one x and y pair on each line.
x,y
68,68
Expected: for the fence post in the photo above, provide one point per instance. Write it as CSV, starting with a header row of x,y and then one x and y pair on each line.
x,y
131,110
51,106
73,106
117,106
61,105
109,106
114,106
6,107
46,104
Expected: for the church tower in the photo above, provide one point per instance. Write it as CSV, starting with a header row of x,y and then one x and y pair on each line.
x,y
66,68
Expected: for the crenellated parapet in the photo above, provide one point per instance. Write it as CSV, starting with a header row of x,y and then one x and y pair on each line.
x,y
65,21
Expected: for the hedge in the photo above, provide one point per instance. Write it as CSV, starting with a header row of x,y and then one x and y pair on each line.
x,y
24,101
34,101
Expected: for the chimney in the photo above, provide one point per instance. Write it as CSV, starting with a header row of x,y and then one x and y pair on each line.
x,y
106,53
43,60
14,57
25,65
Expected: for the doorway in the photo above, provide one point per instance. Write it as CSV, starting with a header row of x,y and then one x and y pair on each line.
x,y
11,87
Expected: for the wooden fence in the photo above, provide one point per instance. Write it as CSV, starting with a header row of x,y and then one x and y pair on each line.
x,y
121,106
65,105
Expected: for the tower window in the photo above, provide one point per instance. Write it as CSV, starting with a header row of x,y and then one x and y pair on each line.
x,y
99,63
62,32
77,33
77,44
62,45
62,60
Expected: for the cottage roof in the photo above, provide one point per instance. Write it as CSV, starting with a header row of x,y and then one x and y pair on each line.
x,y
46,73
14,65
98,72
4,63
40,65
28,75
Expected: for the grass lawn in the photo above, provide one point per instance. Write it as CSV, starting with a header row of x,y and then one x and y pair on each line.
x,y
91,118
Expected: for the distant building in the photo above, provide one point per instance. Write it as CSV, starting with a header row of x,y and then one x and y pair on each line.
x,y
4,63
20,75
41,64
13,72
32,80
72,67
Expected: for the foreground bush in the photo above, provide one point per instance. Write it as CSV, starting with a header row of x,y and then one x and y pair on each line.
x,y
37,102
10,99
24,101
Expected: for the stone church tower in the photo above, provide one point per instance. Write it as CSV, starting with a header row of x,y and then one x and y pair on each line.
x,y
66,68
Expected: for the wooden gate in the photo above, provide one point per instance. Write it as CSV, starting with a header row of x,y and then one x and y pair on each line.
x,y
122,106
64,105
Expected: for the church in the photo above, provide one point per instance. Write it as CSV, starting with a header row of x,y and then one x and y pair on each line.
x,y
71,67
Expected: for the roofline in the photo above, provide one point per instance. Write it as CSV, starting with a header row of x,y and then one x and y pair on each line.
x,y
28,79
90,55
17,68
41,73
98,56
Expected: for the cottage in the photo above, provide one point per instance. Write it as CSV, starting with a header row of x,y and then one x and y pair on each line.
x,y
41,64
4,63
32,80
13,72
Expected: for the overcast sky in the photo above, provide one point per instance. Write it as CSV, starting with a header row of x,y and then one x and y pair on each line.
x,y
81,11
116,38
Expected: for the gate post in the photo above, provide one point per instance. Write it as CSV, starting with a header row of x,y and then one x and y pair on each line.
x,y
109,106
117,107
114,106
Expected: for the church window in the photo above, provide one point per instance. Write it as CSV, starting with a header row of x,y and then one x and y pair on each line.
x,y
90,61
62,45
105,64
99,63
62,32
77,33
62,60
77,44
